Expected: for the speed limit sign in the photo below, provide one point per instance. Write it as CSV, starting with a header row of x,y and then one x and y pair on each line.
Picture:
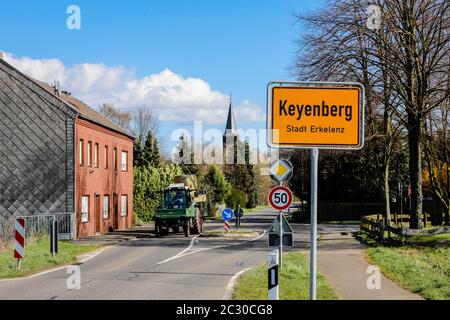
x,y
280,198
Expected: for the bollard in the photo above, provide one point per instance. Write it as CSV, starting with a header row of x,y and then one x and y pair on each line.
x,y
273,275
54,237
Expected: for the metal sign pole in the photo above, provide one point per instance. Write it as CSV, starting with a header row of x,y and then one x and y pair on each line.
x,y
313,241
280,216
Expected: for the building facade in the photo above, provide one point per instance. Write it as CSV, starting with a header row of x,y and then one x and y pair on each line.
x,y
58,155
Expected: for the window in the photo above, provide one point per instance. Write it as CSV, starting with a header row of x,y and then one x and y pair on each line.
x,y
81,152
105,207
84,209
124,205
115,159
96,155
89,152
106,157
124,161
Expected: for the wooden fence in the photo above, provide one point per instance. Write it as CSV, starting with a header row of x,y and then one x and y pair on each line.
x,y
378,228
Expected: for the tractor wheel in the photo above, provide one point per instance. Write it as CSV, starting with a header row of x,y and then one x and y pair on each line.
x,y
187,228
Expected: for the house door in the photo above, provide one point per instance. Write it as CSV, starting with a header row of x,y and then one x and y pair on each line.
x,y
97,213
116,211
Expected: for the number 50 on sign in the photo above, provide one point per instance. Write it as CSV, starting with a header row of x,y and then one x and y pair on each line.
x,y
280,198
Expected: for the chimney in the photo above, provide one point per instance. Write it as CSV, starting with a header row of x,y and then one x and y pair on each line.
x,y
57,88
1,55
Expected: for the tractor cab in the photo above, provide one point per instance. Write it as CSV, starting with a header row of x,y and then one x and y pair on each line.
x,y
176,197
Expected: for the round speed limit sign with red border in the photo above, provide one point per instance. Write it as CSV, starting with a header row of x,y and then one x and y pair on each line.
x,y
280,198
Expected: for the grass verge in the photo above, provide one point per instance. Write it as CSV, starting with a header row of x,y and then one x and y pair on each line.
x,y
346,222
421,266
233,233
38,258
256,209
293,280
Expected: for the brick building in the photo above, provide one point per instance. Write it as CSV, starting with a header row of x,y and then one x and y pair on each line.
x,y
59,155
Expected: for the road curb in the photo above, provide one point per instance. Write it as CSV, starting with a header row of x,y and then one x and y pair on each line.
x,y
231,284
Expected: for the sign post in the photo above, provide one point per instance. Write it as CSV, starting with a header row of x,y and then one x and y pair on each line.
x,y
273,275
313,233
227,215
280,198
313,115
19,241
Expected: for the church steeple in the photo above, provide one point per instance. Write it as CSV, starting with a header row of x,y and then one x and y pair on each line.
x,y
231,127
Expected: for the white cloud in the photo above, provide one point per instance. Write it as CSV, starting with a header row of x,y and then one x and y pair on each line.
x,y
170,95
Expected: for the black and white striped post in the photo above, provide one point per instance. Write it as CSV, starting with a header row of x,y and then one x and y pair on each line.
x,y
273,275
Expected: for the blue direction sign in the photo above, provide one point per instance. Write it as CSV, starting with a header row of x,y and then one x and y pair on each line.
x,y
227,214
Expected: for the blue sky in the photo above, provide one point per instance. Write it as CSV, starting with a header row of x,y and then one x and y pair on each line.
x,y
234,46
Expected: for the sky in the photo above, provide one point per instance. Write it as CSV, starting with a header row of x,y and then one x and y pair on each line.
x,y
182,59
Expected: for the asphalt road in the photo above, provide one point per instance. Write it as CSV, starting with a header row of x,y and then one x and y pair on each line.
x,y
172,268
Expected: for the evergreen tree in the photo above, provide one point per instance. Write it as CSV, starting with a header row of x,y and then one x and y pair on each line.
x,y
137,153
242,176
150,155
217,185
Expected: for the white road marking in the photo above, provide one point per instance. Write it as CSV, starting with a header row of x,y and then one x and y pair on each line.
x,y
230,286
182,252
185,252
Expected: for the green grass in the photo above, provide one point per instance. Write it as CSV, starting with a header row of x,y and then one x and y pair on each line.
x,y
430,240
37,258
256,209
294,282
420,267
348,222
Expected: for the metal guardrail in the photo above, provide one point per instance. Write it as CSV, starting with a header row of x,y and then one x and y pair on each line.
x,y
39,225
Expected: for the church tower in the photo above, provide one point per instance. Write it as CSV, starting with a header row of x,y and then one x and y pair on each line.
x,y
230,136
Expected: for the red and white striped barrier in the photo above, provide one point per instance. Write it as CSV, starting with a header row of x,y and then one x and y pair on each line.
x,y
19,242
227,226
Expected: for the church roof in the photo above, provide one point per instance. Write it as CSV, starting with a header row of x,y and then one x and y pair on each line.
x,y
231,127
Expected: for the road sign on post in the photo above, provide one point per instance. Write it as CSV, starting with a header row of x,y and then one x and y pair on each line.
x,y
19,240
227,214
280,198
277,228
313,115
238,213
281,170
273,275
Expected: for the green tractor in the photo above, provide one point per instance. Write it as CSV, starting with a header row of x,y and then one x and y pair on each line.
x,y
183,207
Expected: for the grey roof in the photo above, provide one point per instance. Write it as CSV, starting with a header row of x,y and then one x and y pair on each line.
x,y
84,111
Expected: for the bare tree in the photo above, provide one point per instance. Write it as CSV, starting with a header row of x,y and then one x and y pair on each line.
x,y
122,119
144,121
